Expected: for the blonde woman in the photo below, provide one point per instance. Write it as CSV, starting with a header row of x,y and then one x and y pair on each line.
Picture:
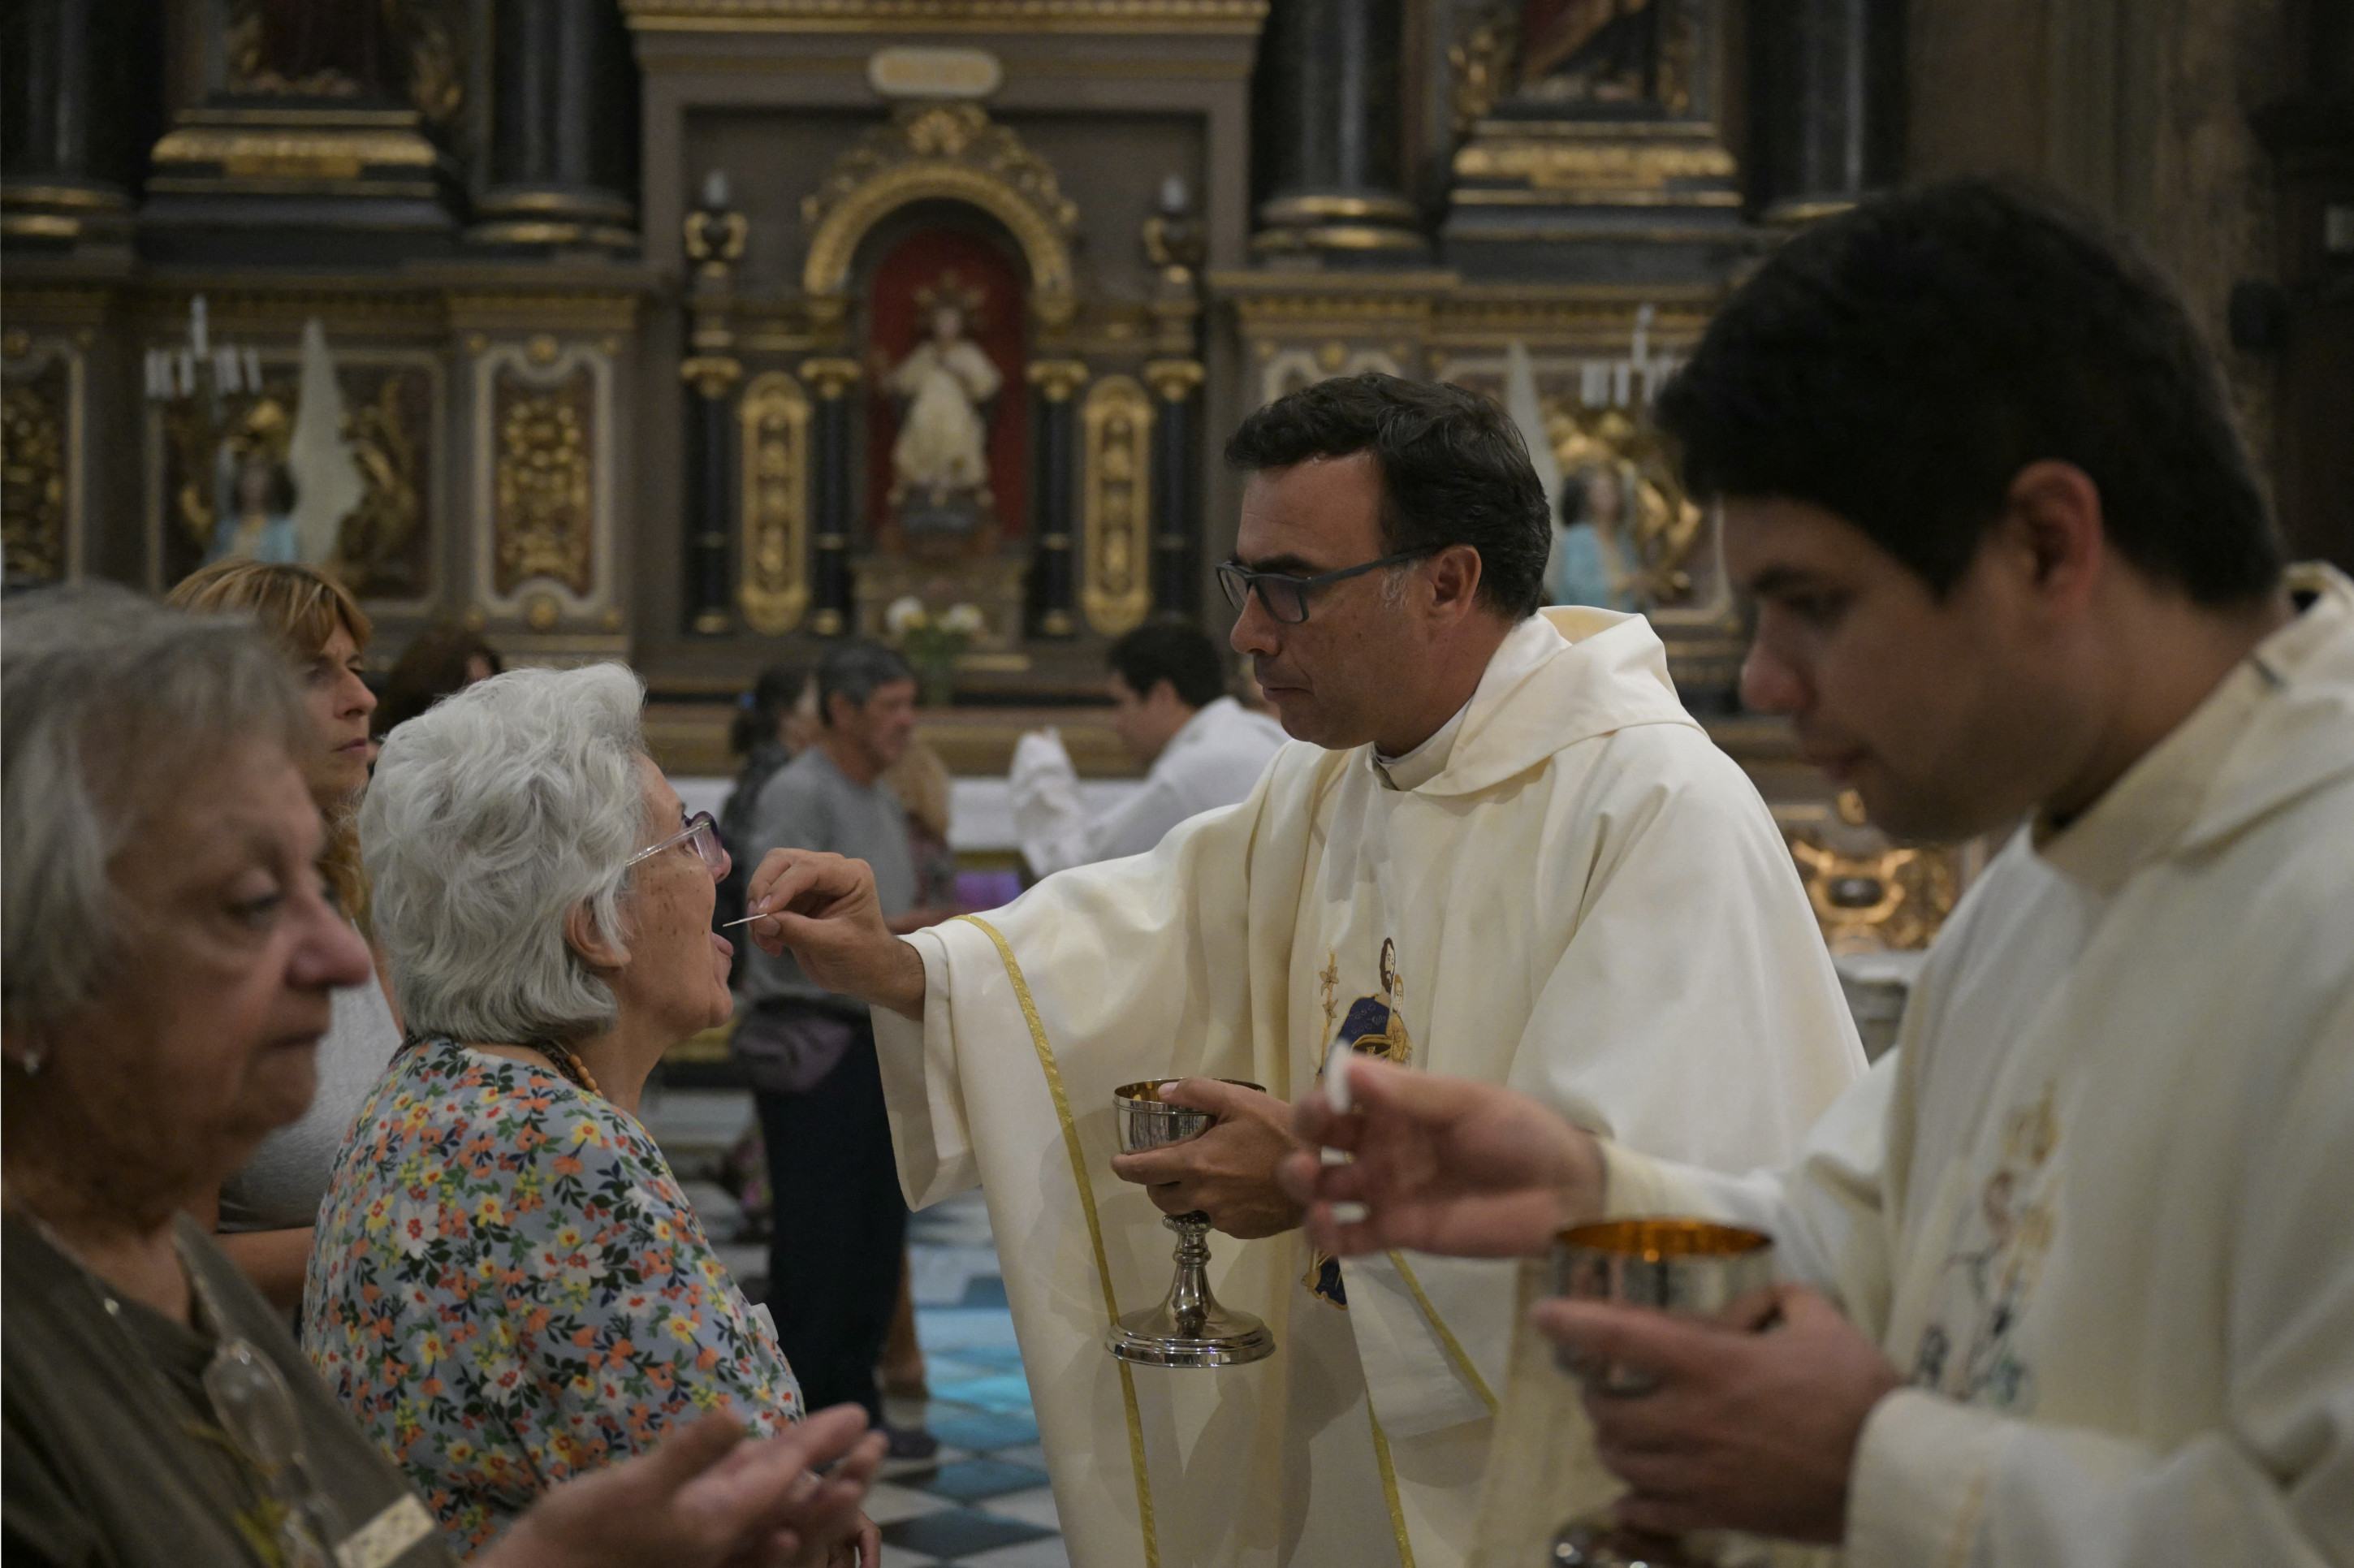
x,y
266,1210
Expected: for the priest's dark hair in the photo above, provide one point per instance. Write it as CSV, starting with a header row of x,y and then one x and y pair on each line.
x,y
1454,471
857,671
1174,650
1899,365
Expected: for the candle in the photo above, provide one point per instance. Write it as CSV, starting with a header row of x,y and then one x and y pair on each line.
x,y
715,190
225,368
198,339
187,374
1173,194
253,370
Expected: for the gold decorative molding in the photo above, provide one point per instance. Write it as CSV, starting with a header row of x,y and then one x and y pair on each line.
x,y
774,573
1612,169
711,375
37,434
1236,17
1480,68
949,152
544,310
543,485
1115,510
285,153
1173,380
1877,899
1056,379
1317,206
832,376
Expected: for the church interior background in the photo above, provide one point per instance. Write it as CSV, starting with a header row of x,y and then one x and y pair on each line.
x,y
700,332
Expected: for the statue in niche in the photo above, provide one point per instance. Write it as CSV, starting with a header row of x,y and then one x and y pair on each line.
x,y
945,388
1591,52
1590,564
254,493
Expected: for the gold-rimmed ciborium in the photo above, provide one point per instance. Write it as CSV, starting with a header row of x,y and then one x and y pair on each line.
x,y
1188,1328
1689,1268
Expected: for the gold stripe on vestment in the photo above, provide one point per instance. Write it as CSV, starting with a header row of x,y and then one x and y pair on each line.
x,y
1095,1237
1389,1486
1447,1340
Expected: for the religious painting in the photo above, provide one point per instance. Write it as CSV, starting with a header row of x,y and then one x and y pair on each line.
x,y
1606,54
230,481
948,429
374,50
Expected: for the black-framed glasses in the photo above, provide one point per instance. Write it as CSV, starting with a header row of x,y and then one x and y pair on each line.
x,y
702,830
1285,597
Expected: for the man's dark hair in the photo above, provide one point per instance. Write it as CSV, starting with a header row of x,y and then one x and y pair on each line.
x,y
1899,365
1173,651
1454,471
857,671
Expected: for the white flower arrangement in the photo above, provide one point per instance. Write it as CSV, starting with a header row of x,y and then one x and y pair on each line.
x,y
932,642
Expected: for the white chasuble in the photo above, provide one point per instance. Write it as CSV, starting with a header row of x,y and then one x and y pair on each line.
x,y
1585,899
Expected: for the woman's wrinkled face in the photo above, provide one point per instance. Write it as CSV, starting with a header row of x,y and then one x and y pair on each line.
x,y
676,975
207,1038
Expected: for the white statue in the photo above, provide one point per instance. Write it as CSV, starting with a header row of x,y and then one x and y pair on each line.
x,y
942,450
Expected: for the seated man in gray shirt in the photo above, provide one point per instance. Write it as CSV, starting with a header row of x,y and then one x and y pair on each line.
x,y
834,1253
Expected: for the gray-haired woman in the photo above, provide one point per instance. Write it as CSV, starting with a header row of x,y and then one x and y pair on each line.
x,y
154,820
508,1285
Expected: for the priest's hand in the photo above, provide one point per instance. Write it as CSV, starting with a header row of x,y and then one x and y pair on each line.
x,y
1754,1432
1441,1165
1229,1172
825,908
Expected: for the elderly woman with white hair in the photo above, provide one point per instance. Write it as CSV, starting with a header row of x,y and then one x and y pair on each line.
x,y
155,822
508,1287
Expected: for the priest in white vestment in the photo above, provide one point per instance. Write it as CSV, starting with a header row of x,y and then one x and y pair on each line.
x,y
1511,854
2071,1272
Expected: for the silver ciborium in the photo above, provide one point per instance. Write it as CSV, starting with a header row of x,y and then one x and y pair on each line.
x,y
1188,1329
1688,1268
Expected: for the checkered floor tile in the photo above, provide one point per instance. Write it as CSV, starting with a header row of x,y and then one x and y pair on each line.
x,y
983,1501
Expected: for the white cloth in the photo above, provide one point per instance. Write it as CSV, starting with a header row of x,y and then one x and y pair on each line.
x,y
1588,902
1212,761
2099,1204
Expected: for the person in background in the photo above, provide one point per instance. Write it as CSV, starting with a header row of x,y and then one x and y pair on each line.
x,y
156,818
509,1286
442,659
265,1211
1170,710
773,724
839,1223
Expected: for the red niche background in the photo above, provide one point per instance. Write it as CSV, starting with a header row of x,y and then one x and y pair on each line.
x,y
896,323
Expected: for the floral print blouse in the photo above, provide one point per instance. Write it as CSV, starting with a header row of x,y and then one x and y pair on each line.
x,y
507,1286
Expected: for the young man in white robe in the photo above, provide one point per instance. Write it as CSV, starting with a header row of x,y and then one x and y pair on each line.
x,y
2071,1274
1199,748
1509,852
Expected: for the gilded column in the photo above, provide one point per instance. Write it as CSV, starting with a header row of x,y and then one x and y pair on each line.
x,y
1176,501
564,128
714,243
832,491
68,118
1325,132
1827,82
1055,380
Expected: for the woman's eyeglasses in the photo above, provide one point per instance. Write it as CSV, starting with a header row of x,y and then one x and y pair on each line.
x,y
703,831
1285,597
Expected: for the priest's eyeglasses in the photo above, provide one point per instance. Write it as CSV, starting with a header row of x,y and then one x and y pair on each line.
x,y
703,831
1285,597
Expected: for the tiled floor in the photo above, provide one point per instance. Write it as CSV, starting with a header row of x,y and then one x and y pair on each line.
x,y
985,1502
